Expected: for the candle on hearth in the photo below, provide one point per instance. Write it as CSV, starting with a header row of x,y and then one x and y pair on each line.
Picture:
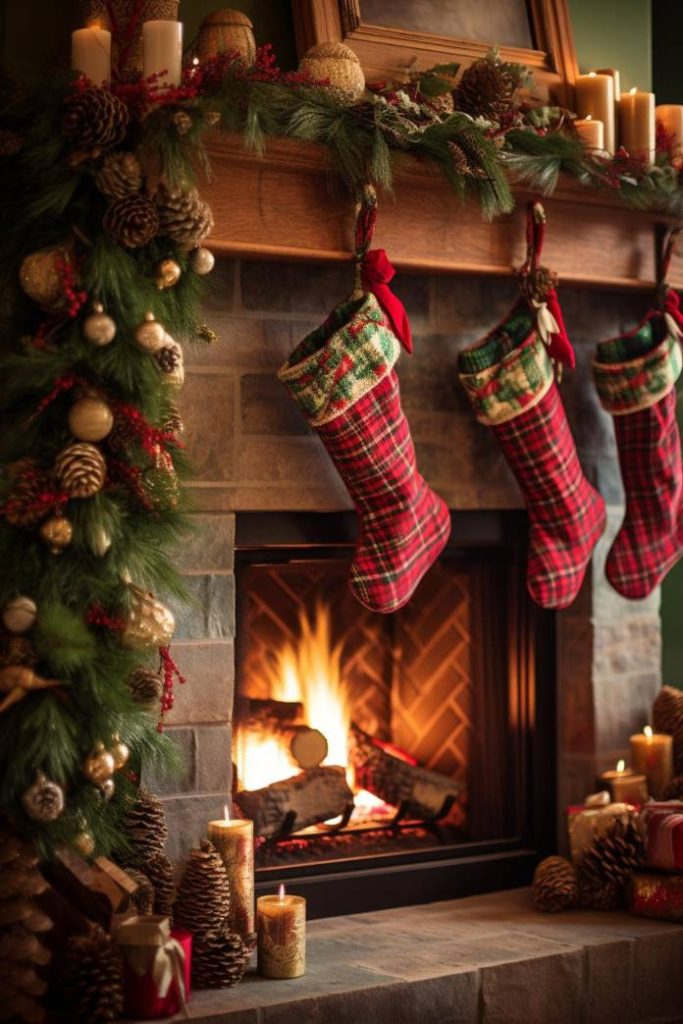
x,y
162,51
637,123
652,755
625,785
234,840
91,53
671,117
281,935
591,132
595,96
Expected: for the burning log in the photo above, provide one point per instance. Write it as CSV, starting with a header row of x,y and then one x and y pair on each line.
x,y
307,746
255,713
313,796
422,793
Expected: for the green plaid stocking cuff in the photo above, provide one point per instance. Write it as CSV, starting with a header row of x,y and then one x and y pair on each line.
x,y
636,371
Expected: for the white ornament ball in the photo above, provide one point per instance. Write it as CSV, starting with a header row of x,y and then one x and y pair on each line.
x,y
98,328
202,260
90,419
150,335
19,614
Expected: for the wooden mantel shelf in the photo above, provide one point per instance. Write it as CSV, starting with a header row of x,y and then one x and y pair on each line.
x,y
279,207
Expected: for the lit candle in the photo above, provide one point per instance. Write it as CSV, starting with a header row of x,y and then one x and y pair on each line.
x,y
671,117
595,97
625,785
162,51
91,54
591,132
281,935
234,840
652,755
637,123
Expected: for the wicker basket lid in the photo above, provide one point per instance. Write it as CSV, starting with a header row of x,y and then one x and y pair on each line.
x,y
331,51
226,16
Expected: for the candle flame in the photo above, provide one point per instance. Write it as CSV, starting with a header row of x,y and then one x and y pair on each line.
x,y
621,765
195,61
634,90
226,812
592,74
589,117
648,731
281,894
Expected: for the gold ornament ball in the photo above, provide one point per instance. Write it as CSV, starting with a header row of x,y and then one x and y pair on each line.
x,y
107,789
19,614
120,752
167,274
339,65
98,328
44,800
90,419
202,260
42,280
84,842
149,622
57,532
99,766
150,335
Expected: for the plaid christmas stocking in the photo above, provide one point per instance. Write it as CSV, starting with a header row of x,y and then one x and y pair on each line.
x,y
635,376
342,378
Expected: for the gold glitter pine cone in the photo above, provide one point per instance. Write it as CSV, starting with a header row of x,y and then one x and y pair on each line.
x,y
555,885
119,175
80,469
219,959
94,119
91,978
667,717
184,216
202,902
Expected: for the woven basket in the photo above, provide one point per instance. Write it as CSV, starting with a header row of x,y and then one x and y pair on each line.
x,y
224,31
126,28
339,65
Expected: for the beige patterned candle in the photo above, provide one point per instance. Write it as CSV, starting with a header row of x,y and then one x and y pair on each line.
x,y
281,935
234,840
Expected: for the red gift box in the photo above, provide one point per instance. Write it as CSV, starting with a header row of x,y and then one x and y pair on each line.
x,y
663,825
659,896
157,967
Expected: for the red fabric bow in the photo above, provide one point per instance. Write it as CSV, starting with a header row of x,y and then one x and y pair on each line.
x,y
560,348
376,273
672,305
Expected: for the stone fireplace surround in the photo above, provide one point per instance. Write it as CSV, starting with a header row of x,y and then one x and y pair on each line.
x,y
252,450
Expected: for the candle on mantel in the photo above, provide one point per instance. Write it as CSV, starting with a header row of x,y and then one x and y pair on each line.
x,y
234,840
281,935
616,78
625,785
671,117
637,123
91,53
591,132
652,755
162,51
595,97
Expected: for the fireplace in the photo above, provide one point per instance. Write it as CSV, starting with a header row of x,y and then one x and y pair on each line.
x,y
393,756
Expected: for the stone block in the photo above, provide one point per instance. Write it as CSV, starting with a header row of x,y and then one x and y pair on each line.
x,y
535,991
207,694
657,975
209,612
205,759
207,405
299,461
249,342
576,712
299,288
469,307
222,286
210,546
428,379
266,408
187,818
610,987
184,779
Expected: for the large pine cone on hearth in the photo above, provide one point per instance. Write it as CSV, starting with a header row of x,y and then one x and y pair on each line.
x,y
219,959
600,895
143,899
667,716
184,216
91,978
145,828
488,87
203,901
160,872
119,175
613,857
555,885
94,119
132,221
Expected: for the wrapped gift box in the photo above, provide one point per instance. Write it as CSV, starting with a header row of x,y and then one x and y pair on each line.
x,y
663,827
655,895
157,966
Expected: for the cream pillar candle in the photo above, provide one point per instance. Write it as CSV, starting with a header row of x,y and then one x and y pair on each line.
x,y
591,132
652,755
637,123
616,79
595,97
625,785
162,51
281,935
671,116
91,54
234,840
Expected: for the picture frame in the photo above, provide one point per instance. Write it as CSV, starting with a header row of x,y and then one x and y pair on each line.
x,y
385,51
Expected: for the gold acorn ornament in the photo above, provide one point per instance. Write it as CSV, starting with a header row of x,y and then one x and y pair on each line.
x,y
42,279
98,328
202,260
340,66
167,274
43,801
99,765
119,751
90,419
150,335
149,623
84,842
57,532
80,470
19,614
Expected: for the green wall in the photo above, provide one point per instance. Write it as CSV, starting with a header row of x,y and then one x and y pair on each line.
x,y
615,34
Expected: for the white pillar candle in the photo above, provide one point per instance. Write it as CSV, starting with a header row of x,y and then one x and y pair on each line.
x,y
591,132
637,123
671,116
162,51
595,98
91,54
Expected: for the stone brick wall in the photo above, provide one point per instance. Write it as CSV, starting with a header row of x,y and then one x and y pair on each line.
x,y
253,451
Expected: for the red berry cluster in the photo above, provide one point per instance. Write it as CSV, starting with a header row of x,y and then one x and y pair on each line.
x,y
119,472
45,501
75,297
65,383
149,438
97,616
171,672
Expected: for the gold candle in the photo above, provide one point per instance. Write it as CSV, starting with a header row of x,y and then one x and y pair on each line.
x,y
671,116
652,755
637,123
595,97
281,935
625,785
591,132
234,840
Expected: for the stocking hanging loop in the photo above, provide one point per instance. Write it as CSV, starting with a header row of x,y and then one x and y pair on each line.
x,y
664,257
366,218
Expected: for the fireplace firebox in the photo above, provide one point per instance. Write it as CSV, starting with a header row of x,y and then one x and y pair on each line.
x,y
391,759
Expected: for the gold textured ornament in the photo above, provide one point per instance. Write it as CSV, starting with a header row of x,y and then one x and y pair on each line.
x,y
226,31
149,623
80,469
119,751
41,278
57,532
150,335
19,614
90,419
98,328
100,765
167,274
107,789
44,800
18,680
84,842
202,260
340,66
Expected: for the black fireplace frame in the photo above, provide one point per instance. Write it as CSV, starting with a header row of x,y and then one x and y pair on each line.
x,y
353,885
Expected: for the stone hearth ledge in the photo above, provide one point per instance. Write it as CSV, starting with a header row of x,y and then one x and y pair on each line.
x,y
482,960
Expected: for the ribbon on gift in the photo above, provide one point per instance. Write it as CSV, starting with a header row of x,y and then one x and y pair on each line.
x,y
149,948
662,847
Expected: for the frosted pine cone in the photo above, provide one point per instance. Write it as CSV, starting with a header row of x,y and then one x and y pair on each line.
x,y
80,470
119,175
184,216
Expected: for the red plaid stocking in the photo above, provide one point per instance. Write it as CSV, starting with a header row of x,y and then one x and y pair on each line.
x,y
635,376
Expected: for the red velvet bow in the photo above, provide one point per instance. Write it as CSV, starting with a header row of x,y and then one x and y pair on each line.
x,y
560,348
376,273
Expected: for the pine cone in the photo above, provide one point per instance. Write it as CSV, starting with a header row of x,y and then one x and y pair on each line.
x,y
94,118
667,716
600,895
80,469
202,903
174,421
184,216
536,284
144,897
613,857
674,791
119,175
91,978
488,88
23,506
16,650
460,162
132,221
555,885
146,686
160,872
145,828
219,959
168,358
